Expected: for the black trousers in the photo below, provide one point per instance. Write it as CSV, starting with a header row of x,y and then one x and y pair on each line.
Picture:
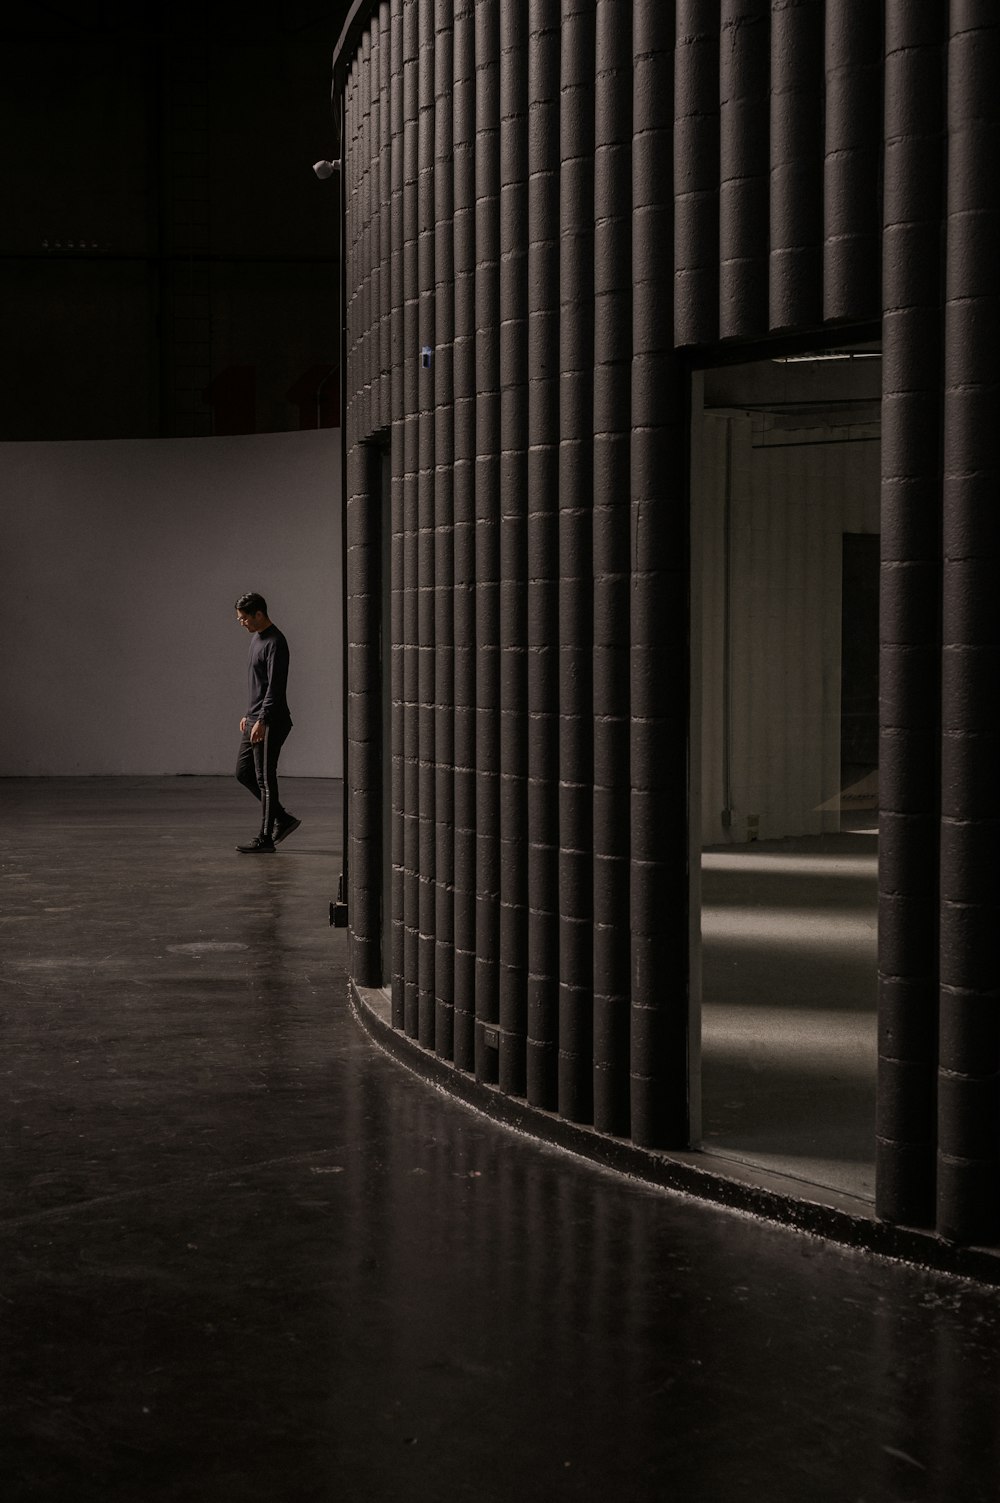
x,y
257,770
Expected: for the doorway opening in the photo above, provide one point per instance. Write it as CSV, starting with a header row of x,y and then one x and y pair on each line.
x,y
785,522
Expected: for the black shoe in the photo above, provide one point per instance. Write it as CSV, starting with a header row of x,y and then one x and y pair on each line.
x,y
260,845
283,828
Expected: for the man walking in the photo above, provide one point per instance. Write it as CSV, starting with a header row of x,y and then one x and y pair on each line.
x,y
265,725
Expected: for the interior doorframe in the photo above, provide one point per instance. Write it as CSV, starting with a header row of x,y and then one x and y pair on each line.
x,y
695,427
736,352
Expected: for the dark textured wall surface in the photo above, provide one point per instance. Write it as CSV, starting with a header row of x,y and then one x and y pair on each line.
x,y
562,200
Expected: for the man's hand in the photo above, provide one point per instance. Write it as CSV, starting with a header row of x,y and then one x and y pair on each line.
x,y
243,723
257,733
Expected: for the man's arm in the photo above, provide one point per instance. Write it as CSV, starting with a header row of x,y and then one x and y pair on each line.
x,y
277,682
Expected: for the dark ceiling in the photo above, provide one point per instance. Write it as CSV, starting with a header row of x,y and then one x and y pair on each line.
x,y
168,261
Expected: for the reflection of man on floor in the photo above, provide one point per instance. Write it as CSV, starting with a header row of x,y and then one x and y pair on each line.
x,y
265,725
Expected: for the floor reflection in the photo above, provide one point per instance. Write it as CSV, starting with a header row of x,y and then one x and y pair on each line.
x,y
789,935
249,1259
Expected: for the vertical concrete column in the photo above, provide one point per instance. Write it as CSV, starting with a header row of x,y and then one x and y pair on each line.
x,y
576,601
363,698
910,612
659,655
853,159
464,178
796,255
425,523
396,549
543,550
744,105
385,225
696,173
411,523
370,235
968,1195
373,248
362,208
351,159
364,866
359,704
444,538
350,246
487,475
611,556
382,418
513,544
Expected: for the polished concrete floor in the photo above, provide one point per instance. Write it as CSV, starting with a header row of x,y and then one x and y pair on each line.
x,y
245,1258
789,937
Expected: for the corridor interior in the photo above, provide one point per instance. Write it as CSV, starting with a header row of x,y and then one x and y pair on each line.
x,y
785,527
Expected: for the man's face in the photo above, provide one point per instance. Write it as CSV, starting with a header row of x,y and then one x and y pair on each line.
x,y
251,623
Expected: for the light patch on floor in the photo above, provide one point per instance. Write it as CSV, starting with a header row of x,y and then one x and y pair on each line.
x,y
789,960
813,1040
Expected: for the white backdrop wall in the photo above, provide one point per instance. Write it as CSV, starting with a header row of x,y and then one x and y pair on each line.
x,y
121,561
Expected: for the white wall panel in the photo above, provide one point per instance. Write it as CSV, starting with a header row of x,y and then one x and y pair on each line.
x,y
121,561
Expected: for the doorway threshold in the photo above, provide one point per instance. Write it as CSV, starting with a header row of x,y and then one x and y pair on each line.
x,y
829,1181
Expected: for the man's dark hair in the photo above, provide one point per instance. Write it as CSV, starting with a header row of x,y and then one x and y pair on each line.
x,y
251,604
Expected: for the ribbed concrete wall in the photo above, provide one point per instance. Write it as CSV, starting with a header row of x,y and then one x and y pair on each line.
x,y
558,197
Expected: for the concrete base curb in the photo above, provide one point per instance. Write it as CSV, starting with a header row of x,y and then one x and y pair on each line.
x,y
704,1176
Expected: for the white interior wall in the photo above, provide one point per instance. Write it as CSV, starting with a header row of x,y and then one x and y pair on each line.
x,y
121,561
794,495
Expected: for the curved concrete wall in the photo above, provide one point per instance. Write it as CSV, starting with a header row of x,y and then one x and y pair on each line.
x,y
565,202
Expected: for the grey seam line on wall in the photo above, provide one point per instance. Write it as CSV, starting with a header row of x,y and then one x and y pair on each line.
x,y
815,443
720,1182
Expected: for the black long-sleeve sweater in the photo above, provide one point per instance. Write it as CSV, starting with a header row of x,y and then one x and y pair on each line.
x,y
267,676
